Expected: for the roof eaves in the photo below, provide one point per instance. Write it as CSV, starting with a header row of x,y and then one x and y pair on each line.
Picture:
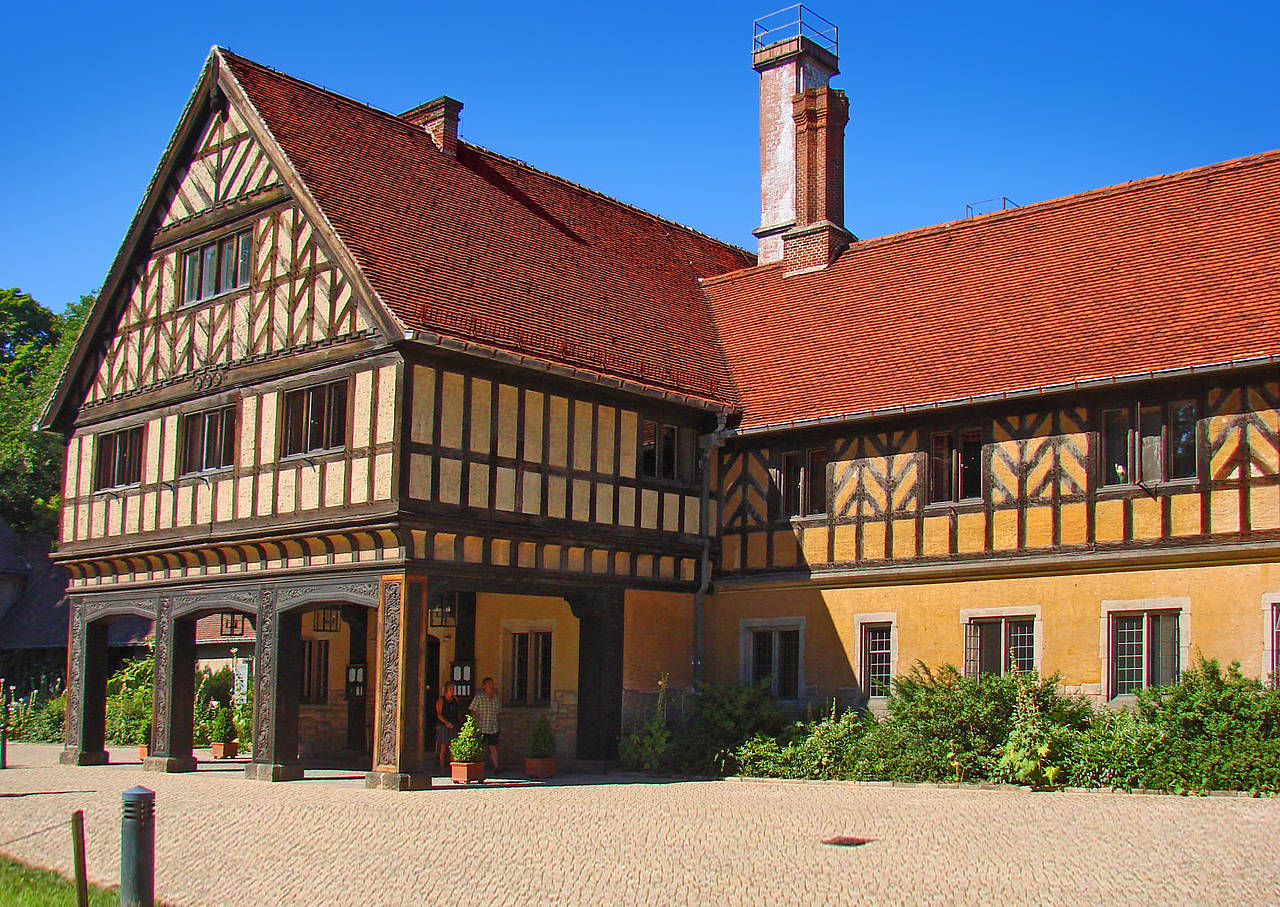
x,y
1001,396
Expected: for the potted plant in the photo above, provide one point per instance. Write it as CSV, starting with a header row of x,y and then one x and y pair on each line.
x,y
468,751
541,761
144,741
223,735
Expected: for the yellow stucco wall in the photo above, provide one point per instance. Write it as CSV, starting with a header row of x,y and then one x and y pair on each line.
x,y
498,614
1225,608
657,640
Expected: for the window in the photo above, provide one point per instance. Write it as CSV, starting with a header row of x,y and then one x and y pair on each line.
x,y
119,459
775,657
529,674
1275,645
232,624
1144,650
802,483
325,620
877,658
998,645
315,671
315,418
208,440
1149,442
667,451
955,465
217,267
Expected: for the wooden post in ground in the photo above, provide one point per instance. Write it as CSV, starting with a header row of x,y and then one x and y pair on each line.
x,y
77,857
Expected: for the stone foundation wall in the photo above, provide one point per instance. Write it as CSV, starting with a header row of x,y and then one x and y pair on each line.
x,y
322,729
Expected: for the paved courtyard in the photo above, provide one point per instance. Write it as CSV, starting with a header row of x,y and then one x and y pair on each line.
x,y
223,840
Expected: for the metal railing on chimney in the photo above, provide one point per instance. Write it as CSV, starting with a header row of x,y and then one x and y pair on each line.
x,y
794,22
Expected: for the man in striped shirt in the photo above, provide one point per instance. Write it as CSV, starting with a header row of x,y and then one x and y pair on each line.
x,y
485,707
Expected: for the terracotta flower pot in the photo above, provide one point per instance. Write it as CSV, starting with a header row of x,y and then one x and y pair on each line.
x,y
224,750
142,752
540,768
466,772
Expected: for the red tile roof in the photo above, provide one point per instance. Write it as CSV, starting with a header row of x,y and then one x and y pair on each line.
x,y
489,249
1167,272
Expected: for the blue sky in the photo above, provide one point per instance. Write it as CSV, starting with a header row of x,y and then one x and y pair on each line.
x,y
655,104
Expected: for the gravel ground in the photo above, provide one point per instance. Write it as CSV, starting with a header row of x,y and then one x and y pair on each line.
x,y
620,840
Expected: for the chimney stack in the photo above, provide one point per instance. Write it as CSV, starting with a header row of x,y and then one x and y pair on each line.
x,y
802,121
440,120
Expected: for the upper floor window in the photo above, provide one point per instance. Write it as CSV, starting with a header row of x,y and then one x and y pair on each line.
x,y
667,451
998,645
1149,442
231,623
208,439
955,465
315,418
217,267
1144,650
802,483
119,459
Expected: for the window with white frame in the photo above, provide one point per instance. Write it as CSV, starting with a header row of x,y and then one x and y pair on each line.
x,y
772,653
217,267
996,645
877,658
1275,644
1145,650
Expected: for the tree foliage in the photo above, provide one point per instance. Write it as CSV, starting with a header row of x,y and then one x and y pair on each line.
x,y
35,345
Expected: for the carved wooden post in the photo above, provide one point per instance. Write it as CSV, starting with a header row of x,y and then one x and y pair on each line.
x,y
600,626
174,690
397,737
278,679
86,689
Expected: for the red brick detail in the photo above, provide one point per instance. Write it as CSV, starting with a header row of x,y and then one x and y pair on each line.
x,y
818,237
440,120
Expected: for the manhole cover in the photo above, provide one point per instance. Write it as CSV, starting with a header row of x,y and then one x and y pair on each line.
x,y
847,841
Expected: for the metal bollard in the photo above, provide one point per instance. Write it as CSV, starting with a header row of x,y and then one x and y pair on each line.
x,y
138,848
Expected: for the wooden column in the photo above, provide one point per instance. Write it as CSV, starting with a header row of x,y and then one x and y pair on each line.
x,y
277,683
86,690
600,626
397,734
174,690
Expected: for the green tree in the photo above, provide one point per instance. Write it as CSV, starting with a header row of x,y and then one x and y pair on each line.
x,y
35,345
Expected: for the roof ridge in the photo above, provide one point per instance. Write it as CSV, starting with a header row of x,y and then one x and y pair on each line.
x,y
667,222
1062,201
414,130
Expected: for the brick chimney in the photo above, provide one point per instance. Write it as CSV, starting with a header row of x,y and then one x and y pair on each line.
x,y
440,120
802,122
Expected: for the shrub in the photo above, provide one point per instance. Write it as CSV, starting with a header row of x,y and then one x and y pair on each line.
x,y
223,729
645,748
244,716
129,701
718,720
1111,752
1036,749
542,743
39,720
468,746
826,749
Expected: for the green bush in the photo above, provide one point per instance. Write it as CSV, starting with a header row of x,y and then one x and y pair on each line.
x,y
468,746
129,702
718,719
1036,750
826,749
645,748
542,743
223,728
39,720
244,716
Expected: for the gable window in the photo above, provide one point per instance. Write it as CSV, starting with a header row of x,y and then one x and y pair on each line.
x,y
1144,650
802,483
667,451
999,645
315,418
877,658
955,465
217,267
1149,442
208,440
231,623
529,668
119,459
774,658
315,671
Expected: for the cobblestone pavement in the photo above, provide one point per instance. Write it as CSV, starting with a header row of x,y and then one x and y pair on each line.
x,y
224,840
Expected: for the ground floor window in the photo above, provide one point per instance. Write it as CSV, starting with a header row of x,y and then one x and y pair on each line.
x,y
998,645
1144,650
1275,645
775,656
877,658
315,671
529,669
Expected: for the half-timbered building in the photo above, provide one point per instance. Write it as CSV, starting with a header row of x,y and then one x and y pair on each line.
x,y
415,411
